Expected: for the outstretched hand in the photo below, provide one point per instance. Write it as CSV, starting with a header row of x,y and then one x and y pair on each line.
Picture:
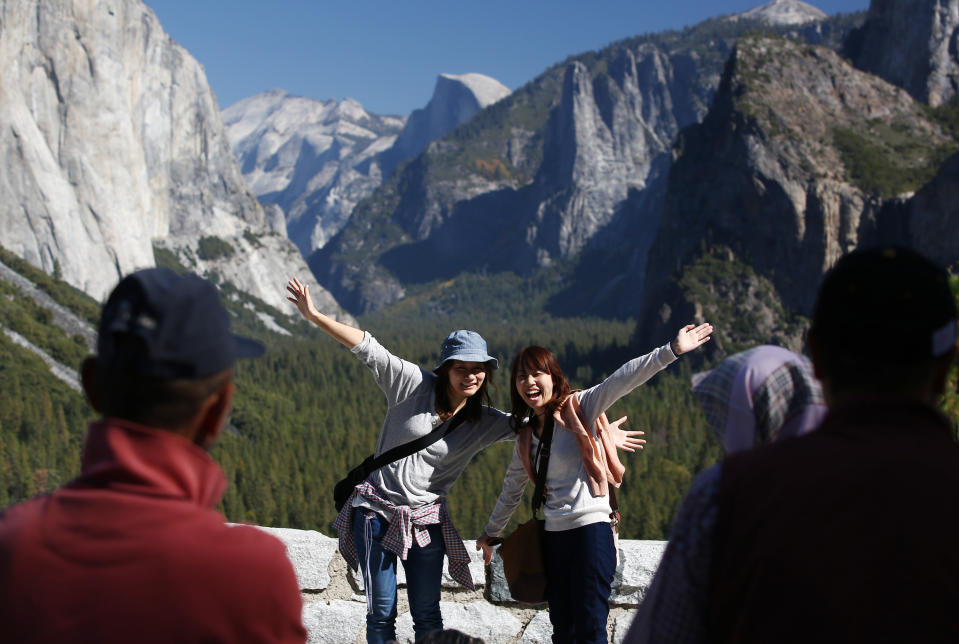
x,y
692,337
301,297
627,441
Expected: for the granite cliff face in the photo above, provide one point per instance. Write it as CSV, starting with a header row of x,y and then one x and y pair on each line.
x,y
532,179
112,143
927,220
781,177
911,44
313,159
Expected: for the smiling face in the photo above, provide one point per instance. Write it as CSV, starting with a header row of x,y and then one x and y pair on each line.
x,y
535,387
465,379
538,383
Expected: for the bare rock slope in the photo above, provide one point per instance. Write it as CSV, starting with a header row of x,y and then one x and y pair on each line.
x,y
912,44
313,159
113,143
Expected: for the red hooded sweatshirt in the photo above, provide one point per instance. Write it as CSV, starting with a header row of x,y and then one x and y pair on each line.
x,y
132,551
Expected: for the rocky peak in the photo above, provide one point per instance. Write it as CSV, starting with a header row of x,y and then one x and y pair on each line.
x,y
599,146
456,98
782,12
313,159
912,44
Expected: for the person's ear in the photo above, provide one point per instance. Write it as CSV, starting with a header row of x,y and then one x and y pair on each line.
x,y
89,378
215,414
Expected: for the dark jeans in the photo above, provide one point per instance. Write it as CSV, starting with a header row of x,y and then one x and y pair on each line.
x,y
424,572
580,565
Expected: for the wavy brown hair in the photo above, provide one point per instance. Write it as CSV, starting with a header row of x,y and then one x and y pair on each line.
x,y
531,359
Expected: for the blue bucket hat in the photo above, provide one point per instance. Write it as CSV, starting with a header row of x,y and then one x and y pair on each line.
x,y
179,327
465,346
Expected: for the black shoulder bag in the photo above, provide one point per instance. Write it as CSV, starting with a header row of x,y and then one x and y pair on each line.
x,y
344,488
524,564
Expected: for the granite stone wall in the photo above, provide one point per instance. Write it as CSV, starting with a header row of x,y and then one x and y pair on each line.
x,y
334,606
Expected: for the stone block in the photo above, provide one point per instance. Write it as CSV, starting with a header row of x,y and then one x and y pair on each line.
x,y
539,630
637,565
478,619
334,622
311,553
621,626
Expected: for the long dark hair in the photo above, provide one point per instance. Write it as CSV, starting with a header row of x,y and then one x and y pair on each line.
x,y
473,408
535,358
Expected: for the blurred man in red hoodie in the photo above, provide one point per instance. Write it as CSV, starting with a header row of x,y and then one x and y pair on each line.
x,y
132,550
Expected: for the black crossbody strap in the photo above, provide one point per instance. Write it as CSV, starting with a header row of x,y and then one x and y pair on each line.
x,y
404,450
542,464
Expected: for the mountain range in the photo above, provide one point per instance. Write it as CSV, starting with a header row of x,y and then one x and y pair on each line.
x,y
313,160
569,170
316,159
655,179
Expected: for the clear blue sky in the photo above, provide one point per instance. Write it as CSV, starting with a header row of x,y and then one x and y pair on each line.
x,y
386,54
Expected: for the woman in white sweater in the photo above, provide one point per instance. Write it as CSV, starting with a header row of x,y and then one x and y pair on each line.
x,y
579,546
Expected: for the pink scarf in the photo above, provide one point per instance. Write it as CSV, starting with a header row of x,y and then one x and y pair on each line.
x,y
599,454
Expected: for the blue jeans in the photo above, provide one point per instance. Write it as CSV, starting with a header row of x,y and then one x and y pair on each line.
x,y
424,572
580,564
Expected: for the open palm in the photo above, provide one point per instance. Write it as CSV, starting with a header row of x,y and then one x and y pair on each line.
x,y
692,337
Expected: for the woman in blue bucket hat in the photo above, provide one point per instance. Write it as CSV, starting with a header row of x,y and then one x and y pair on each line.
x,y
400,509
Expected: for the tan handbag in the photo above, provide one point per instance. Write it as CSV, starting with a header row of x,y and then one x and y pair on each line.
x,y
523,562
522,551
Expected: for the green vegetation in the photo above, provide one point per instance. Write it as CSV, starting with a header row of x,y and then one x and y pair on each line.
x,y
166,258
308,411
742,305
42,424
21,314
252,238
62,293
42,420
890,159
210,248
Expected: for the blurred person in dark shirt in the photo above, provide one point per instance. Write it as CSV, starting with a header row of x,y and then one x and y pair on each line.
x,y
847,533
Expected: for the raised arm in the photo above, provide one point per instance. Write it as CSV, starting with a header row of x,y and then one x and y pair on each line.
x,y
514,483
634,373
345,334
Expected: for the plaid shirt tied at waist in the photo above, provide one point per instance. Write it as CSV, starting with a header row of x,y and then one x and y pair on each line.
x,y
408,526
